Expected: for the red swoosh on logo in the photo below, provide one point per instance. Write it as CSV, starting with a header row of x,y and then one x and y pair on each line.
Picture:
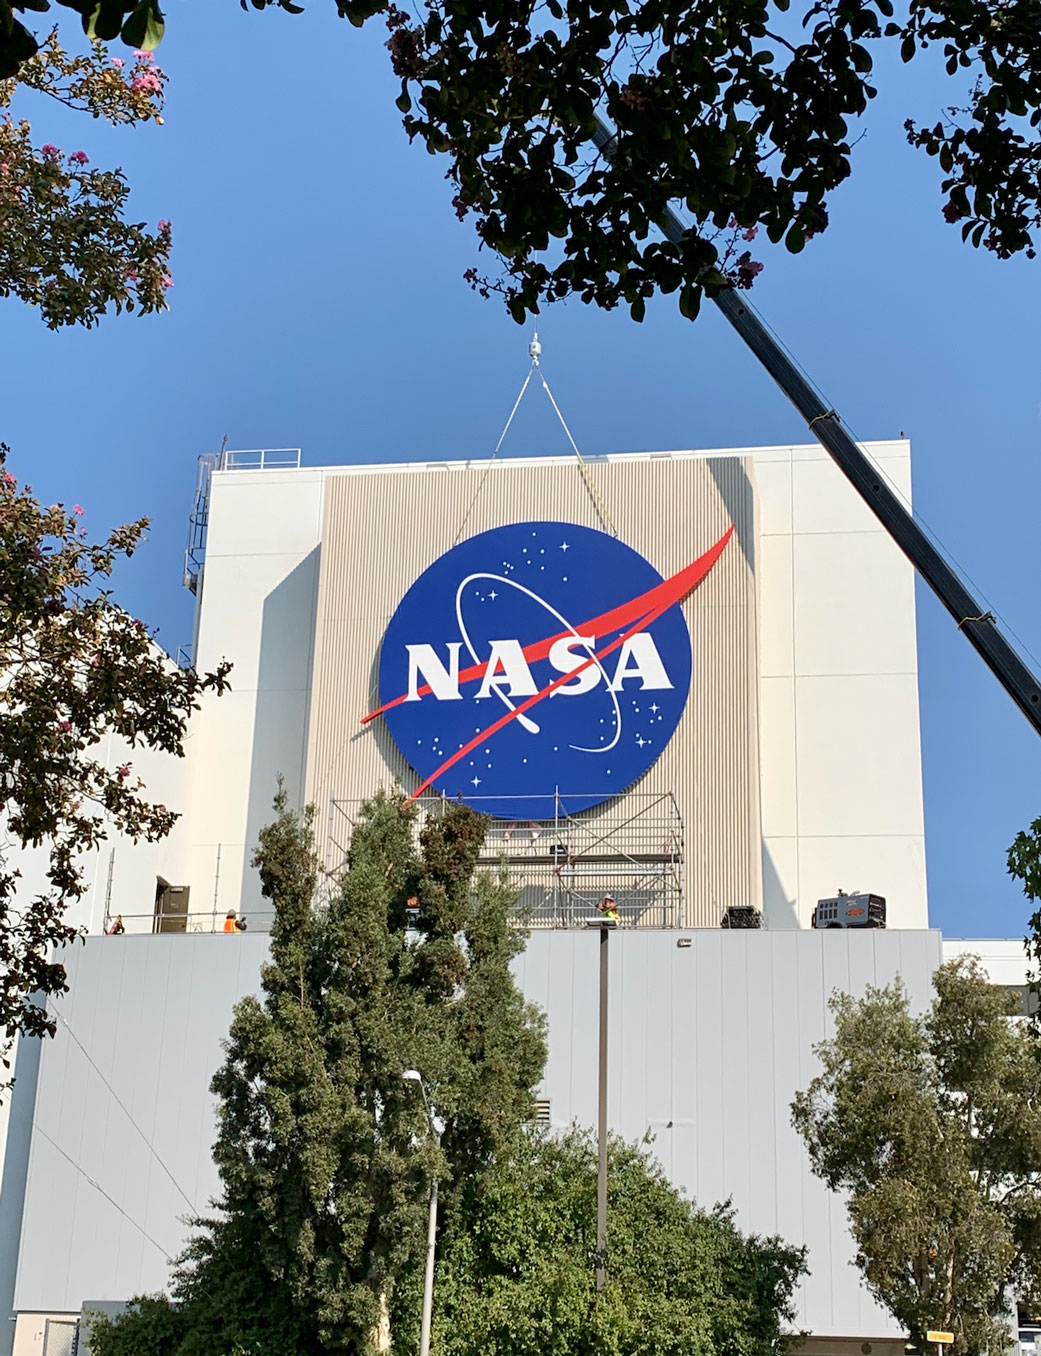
x,y
674,589
647,608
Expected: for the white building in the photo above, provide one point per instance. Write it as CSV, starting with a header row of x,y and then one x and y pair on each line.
x,y
793,769
813,784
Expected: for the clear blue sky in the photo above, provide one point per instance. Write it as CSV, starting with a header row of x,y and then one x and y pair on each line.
x,y
318,302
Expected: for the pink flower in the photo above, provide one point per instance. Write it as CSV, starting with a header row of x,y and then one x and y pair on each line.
x,y
750,234
78,510
52,152
123,771
164,227
168,281
145,56
65,725
118,63
163,810
78,158
9,480
131,275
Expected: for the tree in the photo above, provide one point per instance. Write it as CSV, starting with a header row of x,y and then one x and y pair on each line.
x,y
741,111
930,1123
76,668
149,1326
1024,864
324,1152
516,1271
65,245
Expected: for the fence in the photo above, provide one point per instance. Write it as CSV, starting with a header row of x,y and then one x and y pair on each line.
x,y
137,923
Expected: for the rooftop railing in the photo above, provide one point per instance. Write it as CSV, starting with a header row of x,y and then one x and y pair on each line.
x,y
138,924
260,459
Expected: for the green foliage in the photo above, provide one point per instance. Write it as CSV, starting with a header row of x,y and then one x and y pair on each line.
x,y
77,668
138,22
65,245
740,111
149,1326
324,1152
516,1273
930,1124
1024,864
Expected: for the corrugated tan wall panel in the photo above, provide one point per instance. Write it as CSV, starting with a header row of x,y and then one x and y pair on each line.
x,y
382,530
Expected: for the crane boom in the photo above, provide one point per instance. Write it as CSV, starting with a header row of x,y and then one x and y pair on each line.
x,y
976,623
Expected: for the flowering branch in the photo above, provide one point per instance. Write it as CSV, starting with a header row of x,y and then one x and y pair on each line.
x,y
65,245
77,669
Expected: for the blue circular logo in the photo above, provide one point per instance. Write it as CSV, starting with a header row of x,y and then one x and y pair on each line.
x,y
536,661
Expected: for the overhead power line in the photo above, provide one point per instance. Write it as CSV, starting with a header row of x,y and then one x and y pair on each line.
x,y
126,1111
167,1253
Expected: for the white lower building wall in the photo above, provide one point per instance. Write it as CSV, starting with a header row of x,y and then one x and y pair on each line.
x,y
708,1044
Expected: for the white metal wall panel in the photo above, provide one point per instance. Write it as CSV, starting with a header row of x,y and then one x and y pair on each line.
x,y
101,1212
708,1045
723,1039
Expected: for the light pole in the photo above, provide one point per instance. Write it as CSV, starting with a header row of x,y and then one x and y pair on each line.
x,y
605,926
436,1126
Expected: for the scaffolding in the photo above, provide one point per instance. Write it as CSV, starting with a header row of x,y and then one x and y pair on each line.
x,y
561,868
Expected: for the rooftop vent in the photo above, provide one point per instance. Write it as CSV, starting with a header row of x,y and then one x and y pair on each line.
x,y
742,916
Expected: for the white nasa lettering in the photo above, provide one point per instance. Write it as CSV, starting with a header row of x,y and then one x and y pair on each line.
x,y
648,666
564,661
443,683
507,672
515,680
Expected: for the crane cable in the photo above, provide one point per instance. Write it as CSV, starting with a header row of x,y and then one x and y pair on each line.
x,y
502,439
535,353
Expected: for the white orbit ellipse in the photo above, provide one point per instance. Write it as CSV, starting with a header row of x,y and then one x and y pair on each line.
x,y
525,720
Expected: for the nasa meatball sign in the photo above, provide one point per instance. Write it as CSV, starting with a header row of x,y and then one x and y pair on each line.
x,y
535,660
